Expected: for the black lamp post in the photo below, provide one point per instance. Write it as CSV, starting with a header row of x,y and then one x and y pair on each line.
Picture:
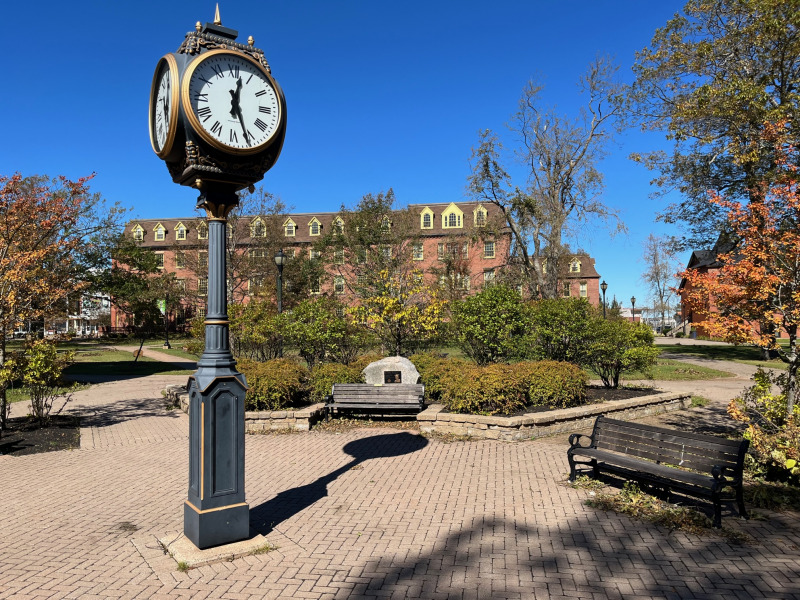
x,y
280,260
633,309
604,287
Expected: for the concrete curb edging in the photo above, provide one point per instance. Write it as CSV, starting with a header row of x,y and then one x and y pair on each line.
x,y
434,420
261,421
534,425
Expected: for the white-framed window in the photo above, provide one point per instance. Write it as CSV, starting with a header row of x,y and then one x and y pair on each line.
x,y
181,284
418,251
202,231
313,253
180,260
340,311
180,231
202,259
316,287
314,227
338,284
160,260
488,249
565,289
386,224
386,251
258,229
426,218
575,266
201,312
160,233
584,290
338,256
138,233
338,226
202,286
480,216
289,228
488,277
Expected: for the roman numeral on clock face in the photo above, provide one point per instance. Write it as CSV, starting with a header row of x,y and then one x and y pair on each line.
x,y
265,109
218,70
233,70
233,137
261,93
216,128
205,111
200,97
261,125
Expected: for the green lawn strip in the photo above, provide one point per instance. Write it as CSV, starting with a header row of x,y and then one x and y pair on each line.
x,y
667,369
119,362
177,352
748,355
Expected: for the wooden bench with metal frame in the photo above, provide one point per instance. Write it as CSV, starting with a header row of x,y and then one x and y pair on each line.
x,y
365,398
662,458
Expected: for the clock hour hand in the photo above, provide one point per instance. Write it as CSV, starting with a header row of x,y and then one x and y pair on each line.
x,y
166,111
236,110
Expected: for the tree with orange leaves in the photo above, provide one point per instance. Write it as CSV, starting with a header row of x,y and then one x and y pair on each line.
x,y
756,292
48,245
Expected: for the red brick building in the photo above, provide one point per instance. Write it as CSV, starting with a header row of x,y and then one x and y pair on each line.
x,y
471,232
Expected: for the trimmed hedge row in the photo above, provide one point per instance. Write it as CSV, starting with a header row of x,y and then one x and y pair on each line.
x,y
284,383
500,388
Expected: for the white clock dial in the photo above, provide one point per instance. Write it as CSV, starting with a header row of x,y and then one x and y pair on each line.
x,y
164,106
232,101
162,109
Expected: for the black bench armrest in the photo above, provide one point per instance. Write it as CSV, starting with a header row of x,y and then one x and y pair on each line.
x,y
719,473
574,440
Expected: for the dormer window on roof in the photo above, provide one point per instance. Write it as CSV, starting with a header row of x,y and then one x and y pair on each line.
x,y
160,233
426,218
202,231
314,227
480,216
575,266
338,226
289,228
452,217
257,228
138,233
180,231
386,224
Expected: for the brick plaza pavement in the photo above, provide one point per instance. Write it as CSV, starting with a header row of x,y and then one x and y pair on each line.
x,y
370,513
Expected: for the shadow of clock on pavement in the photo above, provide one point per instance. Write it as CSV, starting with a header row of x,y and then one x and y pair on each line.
x,y
265,517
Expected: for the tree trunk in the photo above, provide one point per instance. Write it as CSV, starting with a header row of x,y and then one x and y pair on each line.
x,y
4,384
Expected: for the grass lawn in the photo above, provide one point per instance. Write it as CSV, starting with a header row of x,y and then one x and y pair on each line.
x,y
674,370
100,361
174,352
749,355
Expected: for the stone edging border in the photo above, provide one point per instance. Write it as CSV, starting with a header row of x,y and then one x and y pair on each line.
x,y
434,420
533,425
261,421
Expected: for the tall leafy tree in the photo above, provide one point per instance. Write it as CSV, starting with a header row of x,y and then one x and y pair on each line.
x,y
759,281
50,245
711,78
564,184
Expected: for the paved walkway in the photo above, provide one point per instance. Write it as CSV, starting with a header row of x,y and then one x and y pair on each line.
x,y
365,514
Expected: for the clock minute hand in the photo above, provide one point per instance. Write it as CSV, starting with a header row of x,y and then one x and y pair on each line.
x,y
236,109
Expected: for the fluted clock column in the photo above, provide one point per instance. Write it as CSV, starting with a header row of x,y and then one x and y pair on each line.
x,y
216,512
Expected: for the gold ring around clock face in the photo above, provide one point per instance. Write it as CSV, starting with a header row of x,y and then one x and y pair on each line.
x,y
164,106
231,101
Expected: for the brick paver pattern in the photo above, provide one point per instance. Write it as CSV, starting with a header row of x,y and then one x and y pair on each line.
x,y
370,513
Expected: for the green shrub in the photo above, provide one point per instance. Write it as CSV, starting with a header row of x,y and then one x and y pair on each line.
x,y
551,383
617,346
560,329
324,376
41,370
361,362
436,371
276,384
506,389
489,327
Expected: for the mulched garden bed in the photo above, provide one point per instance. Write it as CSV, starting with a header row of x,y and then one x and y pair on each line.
x,y
23,435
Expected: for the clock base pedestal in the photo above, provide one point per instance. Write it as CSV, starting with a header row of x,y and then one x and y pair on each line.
x,y
215,527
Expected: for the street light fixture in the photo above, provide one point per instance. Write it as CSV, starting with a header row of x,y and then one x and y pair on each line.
x,y
633,309
604,287
280,260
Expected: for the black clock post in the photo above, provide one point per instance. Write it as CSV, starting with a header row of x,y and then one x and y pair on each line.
x,y
218,157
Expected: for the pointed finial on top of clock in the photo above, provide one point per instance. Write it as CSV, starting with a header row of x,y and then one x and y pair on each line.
x,y
216,28
217,20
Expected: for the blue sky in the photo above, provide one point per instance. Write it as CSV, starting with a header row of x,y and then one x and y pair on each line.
x,y
379,95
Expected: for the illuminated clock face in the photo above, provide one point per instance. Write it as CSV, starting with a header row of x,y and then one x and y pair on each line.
x,y
232,102
163,106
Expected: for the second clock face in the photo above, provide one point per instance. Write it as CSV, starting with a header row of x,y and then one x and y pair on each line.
x,y
231,101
